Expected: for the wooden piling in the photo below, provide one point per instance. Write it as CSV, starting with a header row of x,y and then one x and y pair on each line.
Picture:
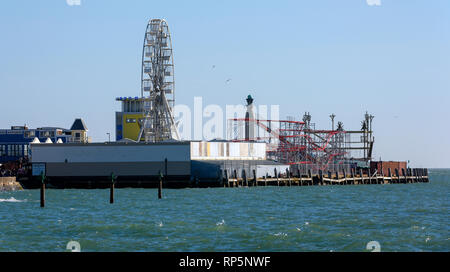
x,y
244,176
288,175
227,180
309,175
353,176
160,185
111,191
321,177
42,192
362,176
390,175
255,178
276,176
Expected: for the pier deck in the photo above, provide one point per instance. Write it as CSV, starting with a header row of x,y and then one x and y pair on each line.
x,y
408,176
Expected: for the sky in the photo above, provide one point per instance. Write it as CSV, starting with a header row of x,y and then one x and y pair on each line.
x,y
389,57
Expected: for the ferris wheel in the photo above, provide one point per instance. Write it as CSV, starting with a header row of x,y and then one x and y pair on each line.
x,y
158,84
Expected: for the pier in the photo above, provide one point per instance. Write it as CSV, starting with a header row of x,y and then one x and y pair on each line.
x,y
416,175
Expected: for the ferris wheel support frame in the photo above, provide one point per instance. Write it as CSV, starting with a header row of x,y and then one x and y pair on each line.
x,y
157,66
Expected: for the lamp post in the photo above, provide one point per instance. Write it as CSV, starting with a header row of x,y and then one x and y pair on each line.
x,y
332,116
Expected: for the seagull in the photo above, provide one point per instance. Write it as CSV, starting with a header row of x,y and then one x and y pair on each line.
x,y
228,80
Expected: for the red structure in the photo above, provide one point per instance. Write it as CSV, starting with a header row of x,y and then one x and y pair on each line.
x,y
300,144
294,142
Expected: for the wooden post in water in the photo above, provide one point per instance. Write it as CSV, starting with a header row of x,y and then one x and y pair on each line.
x,y
276,176
288,175
353,176
42,190
160,185
111,191
244,177
227,182
345,176
321,177
236,177
361,175
382,175
309,175
404,175
255,179
397,175
329,177
390,175
337,178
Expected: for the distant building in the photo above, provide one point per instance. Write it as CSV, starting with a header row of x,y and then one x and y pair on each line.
x,y
15,142
130,119
79,132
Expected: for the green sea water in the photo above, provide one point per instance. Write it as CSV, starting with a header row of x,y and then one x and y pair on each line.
x,y
400,217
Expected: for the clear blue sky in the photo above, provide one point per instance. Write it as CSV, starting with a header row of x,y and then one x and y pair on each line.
x,y
59,62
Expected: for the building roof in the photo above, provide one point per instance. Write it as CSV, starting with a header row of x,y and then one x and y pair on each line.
x,y
79,125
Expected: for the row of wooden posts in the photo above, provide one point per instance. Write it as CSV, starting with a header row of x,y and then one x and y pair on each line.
x,y
112,186
288,179
111,191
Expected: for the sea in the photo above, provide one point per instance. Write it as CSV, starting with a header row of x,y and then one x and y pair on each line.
x,y
356,218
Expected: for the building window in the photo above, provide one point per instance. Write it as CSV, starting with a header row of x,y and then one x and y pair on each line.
x,y
47,134
29,134
2,150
